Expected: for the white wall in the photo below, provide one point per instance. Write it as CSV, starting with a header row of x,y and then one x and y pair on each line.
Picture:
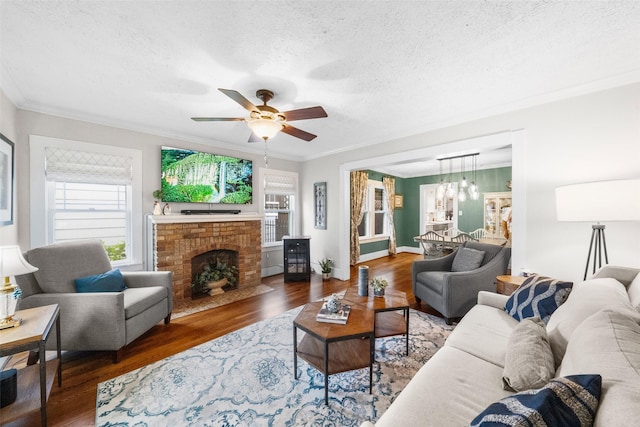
x,y
8,127
31,123
587,138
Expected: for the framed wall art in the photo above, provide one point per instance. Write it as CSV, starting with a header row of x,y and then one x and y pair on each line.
x,y
398,201
320,205
6,180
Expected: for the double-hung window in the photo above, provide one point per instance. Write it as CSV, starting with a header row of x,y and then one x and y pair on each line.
x,y
280,189
374,220
87,192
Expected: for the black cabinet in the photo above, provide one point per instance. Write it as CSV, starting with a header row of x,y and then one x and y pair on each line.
x,y
297,262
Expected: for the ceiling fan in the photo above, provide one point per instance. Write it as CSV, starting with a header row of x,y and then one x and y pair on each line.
x,y
265,121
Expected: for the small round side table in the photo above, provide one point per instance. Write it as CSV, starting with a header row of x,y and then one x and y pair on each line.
x,y
507,285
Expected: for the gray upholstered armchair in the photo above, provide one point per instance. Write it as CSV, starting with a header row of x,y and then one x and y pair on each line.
x,y
94,320
453,293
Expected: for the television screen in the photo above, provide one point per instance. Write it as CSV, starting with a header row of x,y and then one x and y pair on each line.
x,y
190,176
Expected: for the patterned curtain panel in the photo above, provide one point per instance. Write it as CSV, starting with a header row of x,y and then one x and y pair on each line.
x,y
358,192
390,188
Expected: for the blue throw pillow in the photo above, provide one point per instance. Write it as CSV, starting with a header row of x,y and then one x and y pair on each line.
x,y
538,296
568,402
111,281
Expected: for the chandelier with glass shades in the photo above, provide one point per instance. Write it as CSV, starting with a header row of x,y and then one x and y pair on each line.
x,y
448,190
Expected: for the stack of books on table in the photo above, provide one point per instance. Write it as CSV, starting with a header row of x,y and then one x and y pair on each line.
x,y
339,317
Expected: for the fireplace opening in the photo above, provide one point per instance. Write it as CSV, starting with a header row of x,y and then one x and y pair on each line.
x,y
214,272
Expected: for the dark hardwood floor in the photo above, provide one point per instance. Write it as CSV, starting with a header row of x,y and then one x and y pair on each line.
x,y
73,404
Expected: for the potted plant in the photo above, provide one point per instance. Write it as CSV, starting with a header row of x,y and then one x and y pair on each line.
x,y
216,276
157,210
326,265
378,284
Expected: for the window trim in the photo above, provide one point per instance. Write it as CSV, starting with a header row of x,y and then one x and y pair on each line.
x,y
370,213
38,218
262,172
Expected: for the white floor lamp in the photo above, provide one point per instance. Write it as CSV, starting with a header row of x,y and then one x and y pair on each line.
x,y
597,202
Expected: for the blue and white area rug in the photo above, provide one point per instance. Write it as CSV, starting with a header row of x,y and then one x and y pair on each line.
x,y
245,378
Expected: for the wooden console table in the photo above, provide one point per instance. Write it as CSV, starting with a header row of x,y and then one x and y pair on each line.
x,y
32,334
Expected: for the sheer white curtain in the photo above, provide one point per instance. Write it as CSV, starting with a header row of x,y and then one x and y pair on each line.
x,y
390,189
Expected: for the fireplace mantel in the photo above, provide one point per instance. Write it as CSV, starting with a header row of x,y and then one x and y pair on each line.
x,y
173,241
179,218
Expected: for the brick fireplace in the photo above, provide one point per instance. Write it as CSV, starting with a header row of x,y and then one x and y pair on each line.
x,y
175,240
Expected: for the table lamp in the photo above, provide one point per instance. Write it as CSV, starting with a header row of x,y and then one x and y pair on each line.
x,y
12,263
617,200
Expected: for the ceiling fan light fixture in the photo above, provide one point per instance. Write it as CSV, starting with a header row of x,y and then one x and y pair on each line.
x,y
265,128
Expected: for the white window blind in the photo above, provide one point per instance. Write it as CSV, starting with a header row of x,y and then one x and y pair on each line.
x,y
283,185
87,167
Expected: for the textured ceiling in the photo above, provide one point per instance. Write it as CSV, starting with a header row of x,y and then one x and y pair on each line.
x,y
381,69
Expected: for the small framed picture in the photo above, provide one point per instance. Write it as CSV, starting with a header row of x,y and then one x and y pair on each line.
x,y
6,181
320,205
398,201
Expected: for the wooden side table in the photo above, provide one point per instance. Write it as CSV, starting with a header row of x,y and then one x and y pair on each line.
x,y
32,334
507,285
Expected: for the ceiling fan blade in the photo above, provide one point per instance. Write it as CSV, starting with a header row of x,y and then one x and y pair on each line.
x,y
255,138
304,114
237,96
217,119
298,133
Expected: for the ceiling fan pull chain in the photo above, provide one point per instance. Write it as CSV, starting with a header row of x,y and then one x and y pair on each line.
x,y
266,161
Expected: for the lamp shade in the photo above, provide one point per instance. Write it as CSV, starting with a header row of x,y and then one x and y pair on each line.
x,y
12,263
617,200
265,128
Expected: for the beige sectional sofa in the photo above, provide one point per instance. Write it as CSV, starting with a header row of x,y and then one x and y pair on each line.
x,y
596,331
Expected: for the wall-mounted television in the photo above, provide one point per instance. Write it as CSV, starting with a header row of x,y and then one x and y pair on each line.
x,y
190,176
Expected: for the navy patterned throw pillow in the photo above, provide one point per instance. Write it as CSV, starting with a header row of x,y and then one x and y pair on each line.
x,y
568,402
538,296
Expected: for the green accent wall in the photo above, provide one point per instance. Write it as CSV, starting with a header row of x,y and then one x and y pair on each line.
x,y
407,219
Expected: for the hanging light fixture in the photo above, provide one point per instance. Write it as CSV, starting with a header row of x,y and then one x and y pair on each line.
x,y
441,189
474,193
465,190
463,183
462,195
450,192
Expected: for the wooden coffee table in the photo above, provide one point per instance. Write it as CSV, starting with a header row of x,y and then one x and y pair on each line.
x,y
386,322
333,348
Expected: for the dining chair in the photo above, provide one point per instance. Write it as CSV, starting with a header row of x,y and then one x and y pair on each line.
x,y
478,233
463,237
432,244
